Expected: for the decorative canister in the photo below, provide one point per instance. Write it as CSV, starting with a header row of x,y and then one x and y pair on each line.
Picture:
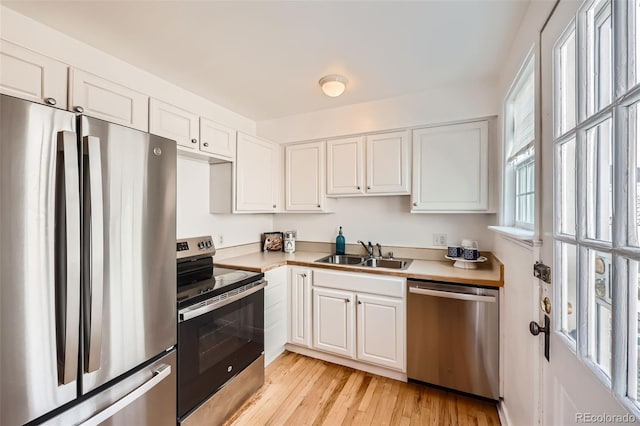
x,y
290,241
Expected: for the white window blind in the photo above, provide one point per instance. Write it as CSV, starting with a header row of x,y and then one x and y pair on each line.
x,y
522,107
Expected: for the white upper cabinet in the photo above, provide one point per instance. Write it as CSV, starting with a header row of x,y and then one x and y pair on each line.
x,y
257,171
450,168
31,76
377,164
388,163
174,123
217,139
304,177
345,166
103,99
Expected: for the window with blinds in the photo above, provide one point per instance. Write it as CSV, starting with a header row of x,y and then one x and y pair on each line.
x,y
519,137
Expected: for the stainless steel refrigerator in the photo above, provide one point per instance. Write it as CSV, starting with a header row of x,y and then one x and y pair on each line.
x,y
87,270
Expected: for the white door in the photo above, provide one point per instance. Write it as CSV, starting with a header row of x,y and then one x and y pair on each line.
x,y
174,123
257,166
333,316
304,177
593,343
217,139
300,306
345,166
106,100
451,168
380,330
388,163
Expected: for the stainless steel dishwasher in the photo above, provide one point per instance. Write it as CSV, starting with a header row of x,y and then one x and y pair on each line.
x,y
453,336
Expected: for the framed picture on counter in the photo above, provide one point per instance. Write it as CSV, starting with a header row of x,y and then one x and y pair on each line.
x,y
272,241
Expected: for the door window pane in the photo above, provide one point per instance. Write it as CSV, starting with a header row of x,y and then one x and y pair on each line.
x,y
599,293
599,56
567,257
634,175
567,186
565,93
599,168
633,277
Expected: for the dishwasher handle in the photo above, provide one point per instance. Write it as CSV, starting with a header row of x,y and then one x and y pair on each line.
x,y
452,295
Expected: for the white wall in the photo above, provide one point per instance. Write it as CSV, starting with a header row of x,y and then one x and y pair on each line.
x,y
459,102
386,220
194,219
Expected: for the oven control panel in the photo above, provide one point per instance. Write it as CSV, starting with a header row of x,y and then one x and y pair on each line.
x,y
197,246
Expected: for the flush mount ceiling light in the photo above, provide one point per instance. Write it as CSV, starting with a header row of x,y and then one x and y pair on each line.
x,y
333,85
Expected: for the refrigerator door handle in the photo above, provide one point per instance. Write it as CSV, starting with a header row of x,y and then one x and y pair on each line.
x,y
68,367
92,146
161,373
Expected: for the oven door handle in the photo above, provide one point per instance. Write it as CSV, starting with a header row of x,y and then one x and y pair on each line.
x,y
192,312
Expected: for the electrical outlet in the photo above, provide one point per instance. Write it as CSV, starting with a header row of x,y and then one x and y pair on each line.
x,y
439,239
220,239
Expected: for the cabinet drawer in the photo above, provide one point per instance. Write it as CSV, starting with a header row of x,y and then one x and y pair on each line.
x,y
366,283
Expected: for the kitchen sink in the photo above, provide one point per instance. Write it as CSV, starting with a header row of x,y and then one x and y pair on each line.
x,y
372,262
343,259
387,263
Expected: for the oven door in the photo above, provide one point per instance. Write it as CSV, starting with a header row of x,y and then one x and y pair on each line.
x,y
217,345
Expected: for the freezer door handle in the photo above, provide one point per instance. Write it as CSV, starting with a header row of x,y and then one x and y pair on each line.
x,y
159,374
68,367
92,147
452,295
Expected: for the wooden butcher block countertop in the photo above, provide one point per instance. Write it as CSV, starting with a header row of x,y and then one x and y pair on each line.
x,y
489,273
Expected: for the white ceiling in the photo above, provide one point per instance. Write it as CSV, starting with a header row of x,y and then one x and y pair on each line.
x,y
264,59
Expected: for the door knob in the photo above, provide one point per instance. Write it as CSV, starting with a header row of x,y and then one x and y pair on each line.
x,y
536,329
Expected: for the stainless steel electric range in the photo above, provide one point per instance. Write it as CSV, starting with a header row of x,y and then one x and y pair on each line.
x,y
220,335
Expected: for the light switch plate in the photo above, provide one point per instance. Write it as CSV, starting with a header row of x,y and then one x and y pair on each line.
x,y
439,239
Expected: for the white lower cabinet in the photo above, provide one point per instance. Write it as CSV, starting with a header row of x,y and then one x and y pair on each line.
x,y
333,321
300,306
380,330
275,313
352,315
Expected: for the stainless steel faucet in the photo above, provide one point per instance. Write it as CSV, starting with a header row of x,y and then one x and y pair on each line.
x,y
368,248
379,249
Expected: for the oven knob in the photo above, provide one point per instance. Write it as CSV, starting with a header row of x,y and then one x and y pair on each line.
x,y
208,244
229,368
200,245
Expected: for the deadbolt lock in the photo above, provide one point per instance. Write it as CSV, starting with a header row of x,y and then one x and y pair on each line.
x,y
545,305
542,271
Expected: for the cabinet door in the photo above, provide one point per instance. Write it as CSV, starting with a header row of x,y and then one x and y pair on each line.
x,y
388,163
217,139
174,123
108,101
450,168
304,177
257,168
380,330
31,76
345,166
300,306
333,316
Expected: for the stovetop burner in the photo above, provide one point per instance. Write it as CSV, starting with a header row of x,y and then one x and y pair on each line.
x,y
223,280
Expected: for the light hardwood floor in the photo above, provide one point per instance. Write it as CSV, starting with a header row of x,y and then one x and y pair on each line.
x,y
304,391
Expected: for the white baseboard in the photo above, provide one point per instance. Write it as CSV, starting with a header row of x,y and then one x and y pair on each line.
x,y
380,371
502,413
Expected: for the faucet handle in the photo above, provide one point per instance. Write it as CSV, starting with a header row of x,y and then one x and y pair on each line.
x,y
390,254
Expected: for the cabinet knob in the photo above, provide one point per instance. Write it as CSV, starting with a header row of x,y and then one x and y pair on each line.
x,y
304,275
78,109
318,205
206,144
50,101
194,140
347,300
357,187
359,302
368,187
274,206
415,204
